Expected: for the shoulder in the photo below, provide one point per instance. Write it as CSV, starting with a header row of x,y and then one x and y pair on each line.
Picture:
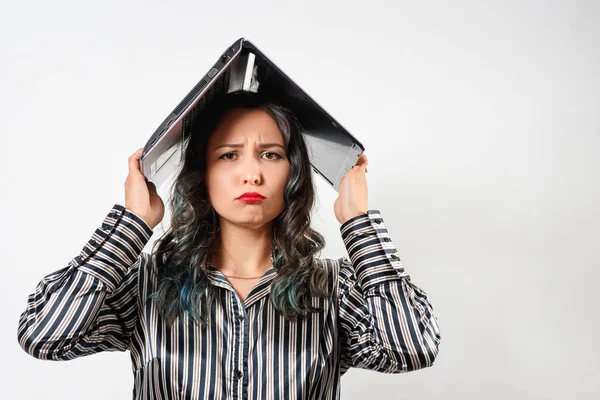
x,y
338,269
147,271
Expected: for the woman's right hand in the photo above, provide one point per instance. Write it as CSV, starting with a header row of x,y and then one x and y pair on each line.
x,y
140,195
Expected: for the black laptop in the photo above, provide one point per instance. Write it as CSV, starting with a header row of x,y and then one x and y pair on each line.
x,y
242,67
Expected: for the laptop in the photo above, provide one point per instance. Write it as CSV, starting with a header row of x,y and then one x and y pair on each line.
x,y
242,66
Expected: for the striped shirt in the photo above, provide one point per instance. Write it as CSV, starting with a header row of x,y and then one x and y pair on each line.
x,y
377,319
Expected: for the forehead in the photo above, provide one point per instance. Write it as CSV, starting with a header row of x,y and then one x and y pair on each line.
x,y
239,125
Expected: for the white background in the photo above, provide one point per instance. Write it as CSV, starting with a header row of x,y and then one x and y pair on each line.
x,y
481,125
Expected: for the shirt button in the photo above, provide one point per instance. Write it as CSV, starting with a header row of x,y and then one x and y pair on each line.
x,y
395,256
93,242
241,317
377,221
386,239
239,373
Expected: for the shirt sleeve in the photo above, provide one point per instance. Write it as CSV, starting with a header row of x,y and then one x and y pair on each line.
x,y
387,322
91,305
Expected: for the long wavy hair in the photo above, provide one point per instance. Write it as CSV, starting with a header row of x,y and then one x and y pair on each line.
x,y
181,254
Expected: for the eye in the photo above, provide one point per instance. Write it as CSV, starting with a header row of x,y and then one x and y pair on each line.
x,y
223,156
276,154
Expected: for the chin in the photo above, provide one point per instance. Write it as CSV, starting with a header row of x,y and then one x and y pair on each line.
x,y
253,216
241,217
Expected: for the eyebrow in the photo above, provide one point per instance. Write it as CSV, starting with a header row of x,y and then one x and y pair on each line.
x,y
240,145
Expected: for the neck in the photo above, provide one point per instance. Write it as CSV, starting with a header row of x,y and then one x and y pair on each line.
x,y
243,252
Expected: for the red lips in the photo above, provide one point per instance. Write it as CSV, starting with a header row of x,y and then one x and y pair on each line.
x,y
251,196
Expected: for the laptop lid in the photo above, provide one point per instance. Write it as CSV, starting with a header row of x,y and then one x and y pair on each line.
x,y
242,66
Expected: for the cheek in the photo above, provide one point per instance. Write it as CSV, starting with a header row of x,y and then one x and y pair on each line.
x,y
211,181
218,184
283,180
287,174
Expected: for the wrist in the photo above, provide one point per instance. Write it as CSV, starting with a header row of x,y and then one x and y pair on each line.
x,y
353,215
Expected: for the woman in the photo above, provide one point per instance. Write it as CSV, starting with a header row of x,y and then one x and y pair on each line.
x,y
234,302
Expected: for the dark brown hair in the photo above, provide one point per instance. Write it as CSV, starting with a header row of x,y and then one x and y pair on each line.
x,y
180,255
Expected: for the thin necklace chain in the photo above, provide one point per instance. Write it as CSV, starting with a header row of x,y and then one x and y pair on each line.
x,y
242,277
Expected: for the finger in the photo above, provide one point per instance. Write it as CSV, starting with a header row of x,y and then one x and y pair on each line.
x,y
366,162
362,160
134,161
361,165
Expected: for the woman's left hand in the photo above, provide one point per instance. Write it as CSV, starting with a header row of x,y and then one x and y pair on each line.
x,y
353,194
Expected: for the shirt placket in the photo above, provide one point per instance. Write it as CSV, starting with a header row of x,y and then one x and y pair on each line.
x,y
240,359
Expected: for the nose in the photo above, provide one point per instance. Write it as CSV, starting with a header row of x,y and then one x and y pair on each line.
x,y
252,171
